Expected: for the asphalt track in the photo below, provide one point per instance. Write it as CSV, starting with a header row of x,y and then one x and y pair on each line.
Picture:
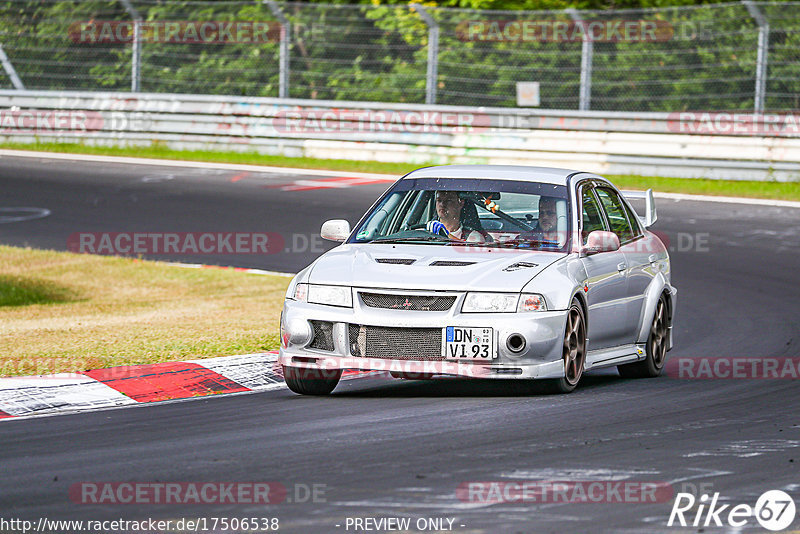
x,y
390,448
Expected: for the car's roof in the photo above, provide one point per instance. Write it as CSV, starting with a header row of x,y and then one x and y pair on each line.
x,y
548,175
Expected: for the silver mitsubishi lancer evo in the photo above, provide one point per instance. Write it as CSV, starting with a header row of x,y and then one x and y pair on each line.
x,y
483,271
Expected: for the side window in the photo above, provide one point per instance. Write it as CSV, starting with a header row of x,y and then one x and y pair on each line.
x,y
634,220
615,211
592,219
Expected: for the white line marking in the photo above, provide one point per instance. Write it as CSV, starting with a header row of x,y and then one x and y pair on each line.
x,y
730,200
578,474
23,214
187,164
701,473
747,448
155,178
238,269
330,173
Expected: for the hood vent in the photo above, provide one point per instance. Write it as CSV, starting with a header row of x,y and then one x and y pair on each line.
x,y
520,265
451,263
396,261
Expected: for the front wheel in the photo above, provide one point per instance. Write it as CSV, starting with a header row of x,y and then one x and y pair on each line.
x,y
656,348
573,351
311,381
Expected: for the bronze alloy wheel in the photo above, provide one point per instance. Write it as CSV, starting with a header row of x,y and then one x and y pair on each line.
x,y
574,346
573,351
658,335
655,348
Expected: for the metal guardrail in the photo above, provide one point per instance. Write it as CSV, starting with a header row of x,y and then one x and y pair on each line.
x,y
739,55
744,146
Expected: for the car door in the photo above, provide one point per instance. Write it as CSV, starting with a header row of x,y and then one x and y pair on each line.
x,y
637,264
642,255
607,281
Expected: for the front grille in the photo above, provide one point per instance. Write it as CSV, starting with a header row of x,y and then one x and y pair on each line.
x,y
323,336
410,302
395,343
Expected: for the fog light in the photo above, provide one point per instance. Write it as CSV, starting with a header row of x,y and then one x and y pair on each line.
x,y
515,343
296,332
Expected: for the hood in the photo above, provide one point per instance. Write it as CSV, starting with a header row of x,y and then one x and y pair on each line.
x,y
435,267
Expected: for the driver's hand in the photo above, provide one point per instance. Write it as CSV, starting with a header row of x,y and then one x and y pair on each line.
x,y
436,227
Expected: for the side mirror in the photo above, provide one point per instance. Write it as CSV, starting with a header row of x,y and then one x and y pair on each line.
x,y
600,241
335,230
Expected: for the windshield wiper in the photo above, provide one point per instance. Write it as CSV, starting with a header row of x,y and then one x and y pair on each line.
x,y
518,243
420,239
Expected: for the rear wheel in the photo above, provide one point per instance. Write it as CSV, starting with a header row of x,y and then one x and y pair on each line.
x,y
311,381
656,348
573,351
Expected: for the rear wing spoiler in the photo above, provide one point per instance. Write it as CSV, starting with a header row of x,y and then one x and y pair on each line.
x,y
650,215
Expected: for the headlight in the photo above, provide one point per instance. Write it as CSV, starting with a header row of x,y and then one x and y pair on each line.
x,y
503,303
531,302
490,303
301,292
328,295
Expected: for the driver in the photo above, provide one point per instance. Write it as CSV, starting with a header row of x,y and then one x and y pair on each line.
x,y
448,208
547,226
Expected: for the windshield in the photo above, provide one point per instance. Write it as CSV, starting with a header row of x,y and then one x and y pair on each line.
x,y
474,212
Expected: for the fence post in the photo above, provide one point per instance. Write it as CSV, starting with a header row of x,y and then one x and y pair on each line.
x,y
587,53
432,75
9,68
283,60
761,57
136,55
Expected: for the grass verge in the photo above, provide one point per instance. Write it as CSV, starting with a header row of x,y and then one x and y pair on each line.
x,y
694,186
64,312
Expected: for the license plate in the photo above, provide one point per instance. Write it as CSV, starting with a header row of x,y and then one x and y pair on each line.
x,y
468,343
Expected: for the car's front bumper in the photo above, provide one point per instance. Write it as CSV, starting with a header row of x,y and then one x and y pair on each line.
x,y
541,357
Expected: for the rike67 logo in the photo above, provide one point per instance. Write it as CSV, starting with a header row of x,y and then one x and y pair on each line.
x,y
774,510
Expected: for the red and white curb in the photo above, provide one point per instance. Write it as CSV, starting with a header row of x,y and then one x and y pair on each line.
x,y
136,384
113,387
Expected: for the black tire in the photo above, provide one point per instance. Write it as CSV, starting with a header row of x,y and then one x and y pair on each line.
x,y
311,381
573,351
656,348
